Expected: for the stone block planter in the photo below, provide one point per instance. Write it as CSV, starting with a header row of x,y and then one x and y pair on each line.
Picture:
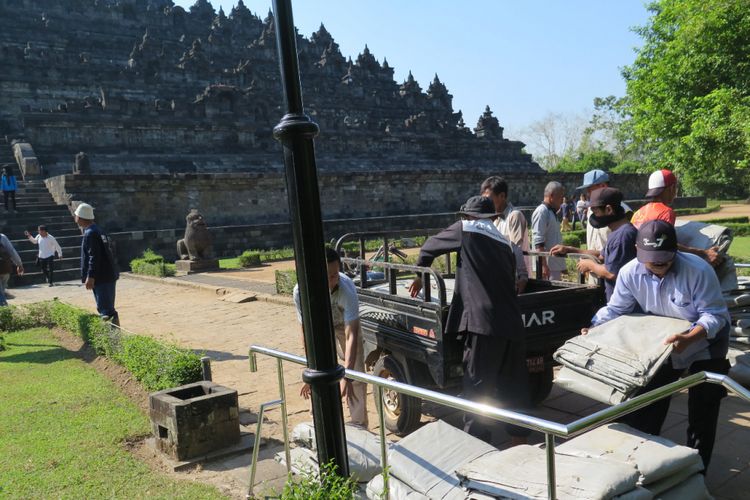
x,y
194,419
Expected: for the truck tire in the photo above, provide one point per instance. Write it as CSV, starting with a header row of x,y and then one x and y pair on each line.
x,y
540,384
401,413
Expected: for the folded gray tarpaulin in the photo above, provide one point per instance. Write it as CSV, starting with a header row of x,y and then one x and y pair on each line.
x,y
624,354
572,381
397,489
701,235
654,457
521,472
363,448
693,488
426,460
740,362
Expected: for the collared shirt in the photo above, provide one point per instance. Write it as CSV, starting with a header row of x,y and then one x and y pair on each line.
x,y
690,290
545,230
47,246
512,224
344,302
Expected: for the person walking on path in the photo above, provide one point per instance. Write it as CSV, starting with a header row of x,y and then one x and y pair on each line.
x,y
9,186
545,230
485,311
98,270
8,258
349,341
48,247
665,282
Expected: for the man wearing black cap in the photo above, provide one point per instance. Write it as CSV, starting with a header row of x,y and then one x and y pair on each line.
x,y
485,310
606,211
665,282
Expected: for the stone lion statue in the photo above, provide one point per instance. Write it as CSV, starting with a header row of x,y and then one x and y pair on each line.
x,y
197,243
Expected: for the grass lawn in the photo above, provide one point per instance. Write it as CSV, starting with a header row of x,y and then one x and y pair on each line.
x,y
62,425
740,248
230,263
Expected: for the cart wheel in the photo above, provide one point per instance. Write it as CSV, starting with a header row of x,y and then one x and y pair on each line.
x,y
401,413
540,384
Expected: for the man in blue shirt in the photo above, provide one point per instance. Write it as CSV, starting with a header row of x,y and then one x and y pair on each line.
x,y
98,269
9,186
665,282
606,211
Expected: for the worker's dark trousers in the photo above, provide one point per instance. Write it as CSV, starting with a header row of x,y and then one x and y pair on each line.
x,y
704,401
495,373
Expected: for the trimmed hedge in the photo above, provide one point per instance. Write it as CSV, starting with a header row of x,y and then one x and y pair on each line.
x,y
573,239
155,364
250,258
697,211
744,219
152,264
285,281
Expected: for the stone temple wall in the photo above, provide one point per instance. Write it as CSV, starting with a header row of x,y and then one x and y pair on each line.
x,y
138,202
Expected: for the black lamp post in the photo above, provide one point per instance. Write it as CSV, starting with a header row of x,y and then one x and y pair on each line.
x,y
296,132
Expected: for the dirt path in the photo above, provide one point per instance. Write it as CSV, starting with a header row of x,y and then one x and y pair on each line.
x,y
726,210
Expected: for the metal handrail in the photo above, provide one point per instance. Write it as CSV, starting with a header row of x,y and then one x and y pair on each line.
x,y
549,428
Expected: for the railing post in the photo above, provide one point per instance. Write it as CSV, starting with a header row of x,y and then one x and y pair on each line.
x,y
296,132
549,441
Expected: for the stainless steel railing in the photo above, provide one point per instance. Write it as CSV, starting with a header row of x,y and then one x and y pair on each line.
x,y
548,428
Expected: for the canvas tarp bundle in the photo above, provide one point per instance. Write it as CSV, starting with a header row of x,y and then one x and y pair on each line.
x,y
701,235
521,473
654,457
622,355
426,460
363,448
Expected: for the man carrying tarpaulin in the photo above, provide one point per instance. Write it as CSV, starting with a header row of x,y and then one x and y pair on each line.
x,y
665,282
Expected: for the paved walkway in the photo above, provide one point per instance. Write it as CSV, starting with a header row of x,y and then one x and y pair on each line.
x,y
192,315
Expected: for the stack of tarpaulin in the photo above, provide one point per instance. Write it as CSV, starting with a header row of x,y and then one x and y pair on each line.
x,y
738,302
736,291
441,462
617,358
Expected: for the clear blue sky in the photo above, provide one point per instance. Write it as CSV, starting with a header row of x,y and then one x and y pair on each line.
x,y
524,58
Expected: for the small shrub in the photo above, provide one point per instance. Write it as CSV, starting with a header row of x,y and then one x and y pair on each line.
x,y
2,343
324,486
152,264
250,258
285,281
571,239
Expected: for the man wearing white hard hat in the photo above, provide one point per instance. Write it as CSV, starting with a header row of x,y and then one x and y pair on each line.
x,y
98,268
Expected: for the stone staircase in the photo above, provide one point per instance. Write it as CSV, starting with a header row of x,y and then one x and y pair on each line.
x,y
35,206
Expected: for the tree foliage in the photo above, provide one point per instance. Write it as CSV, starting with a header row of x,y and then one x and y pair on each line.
x,y
688,92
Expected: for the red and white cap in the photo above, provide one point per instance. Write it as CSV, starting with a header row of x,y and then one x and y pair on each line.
x,y
658,181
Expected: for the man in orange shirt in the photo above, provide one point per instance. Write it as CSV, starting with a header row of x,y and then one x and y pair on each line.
x,y
662,190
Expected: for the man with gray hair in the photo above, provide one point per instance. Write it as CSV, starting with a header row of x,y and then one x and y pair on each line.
x,y
545,230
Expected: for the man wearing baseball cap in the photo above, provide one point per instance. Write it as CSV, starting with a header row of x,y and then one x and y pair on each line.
x,y
485,311
662,190
666,282
606,211
98,269
596,238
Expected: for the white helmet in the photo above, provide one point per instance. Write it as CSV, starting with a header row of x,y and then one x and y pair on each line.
x,y
85,211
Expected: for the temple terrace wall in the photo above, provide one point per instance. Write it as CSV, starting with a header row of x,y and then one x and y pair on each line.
x,y
161,201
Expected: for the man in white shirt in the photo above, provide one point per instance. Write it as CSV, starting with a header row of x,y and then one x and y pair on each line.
x,y
349,342
48,247
545,230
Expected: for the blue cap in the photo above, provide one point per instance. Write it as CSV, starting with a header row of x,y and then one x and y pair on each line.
x,y
593,177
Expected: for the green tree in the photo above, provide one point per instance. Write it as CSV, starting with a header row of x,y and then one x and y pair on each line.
x,y
688,92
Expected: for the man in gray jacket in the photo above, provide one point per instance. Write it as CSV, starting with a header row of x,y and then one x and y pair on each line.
x,y
8,258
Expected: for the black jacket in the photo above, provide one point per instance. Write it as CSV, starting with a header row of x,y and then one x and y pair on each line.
x,y
484,300
96,261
